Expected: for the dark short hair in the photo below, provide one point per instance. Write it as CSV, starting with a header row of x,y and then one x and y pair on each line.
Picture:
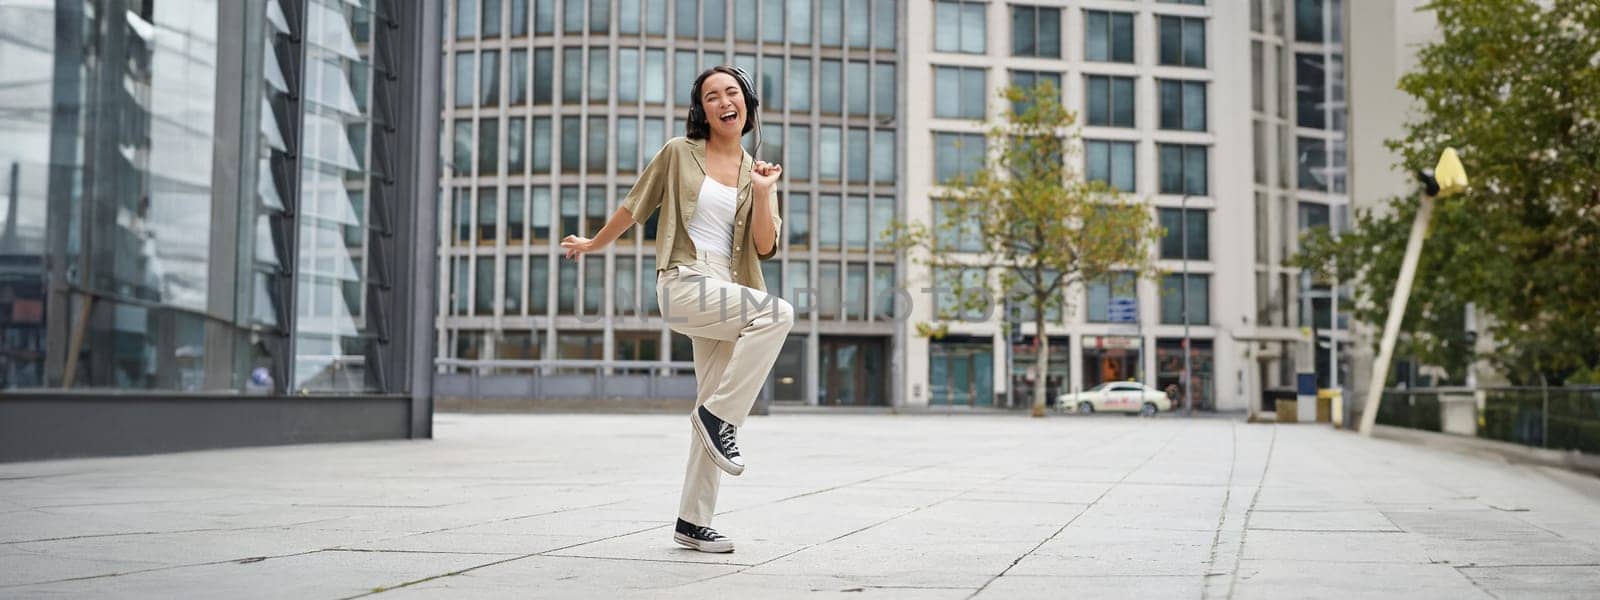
x,y
698,125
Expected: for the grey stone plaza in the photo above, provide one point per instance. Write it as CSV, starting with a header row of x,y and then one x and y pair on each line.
x,y
833,505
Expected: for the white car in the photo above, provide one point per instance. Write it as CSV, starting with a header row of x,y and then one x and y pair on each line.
x,y
1117,396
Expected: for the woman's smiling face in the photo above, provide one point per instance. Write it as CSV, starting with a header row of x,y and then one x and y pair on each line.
x,y
723,102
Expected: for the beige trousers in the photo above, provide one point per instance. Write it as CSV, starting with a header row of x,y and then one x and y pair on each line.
x,y
737,334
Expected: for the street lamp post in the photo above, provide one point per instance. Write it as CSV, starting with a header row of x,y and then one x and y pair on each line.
x,y
1183,240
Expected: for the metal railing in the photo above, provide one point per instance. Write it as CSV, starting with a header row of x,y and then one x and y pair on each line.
x,y
1560,418
621,379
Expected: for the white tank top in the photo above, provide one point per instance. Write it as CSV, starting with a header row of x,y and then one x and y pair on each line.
x,y
711,227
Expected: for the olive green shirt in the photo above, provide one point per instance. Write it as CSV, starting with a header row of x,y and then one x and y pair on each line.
x,y
672,182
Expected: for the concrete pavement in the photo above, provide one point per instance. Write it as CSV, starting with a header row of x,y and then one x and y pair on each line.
x,y
895,506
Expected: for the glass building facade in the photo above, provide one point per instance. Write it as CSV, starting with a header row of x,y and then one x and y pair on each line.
x,y
555,106
214,198
1301,179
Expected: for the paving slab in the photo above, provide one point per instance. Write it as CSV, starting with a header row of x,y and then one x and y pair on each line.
x,y
832,506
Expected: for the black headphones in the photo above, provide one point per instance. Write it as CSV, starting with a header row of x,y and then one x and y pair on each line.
x,y
752,101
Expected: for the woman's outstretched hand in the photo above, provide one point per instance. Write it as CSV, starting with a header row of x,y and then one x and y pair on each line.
x,y
765,175
576,246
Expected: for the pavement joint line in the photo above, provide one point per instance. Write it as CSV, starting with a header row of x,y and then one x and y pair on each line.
x,y
891,518
1244,532
1227,500
158,569
142,533
1075,517
394,551
1292,530
653,560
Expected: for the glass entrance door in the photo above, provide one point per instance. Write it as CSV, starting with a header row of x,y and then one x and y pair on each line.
x,y
852,371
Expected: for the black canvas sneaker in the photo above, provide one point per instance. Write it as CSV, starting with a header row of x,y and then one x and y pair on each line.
x,y
704,539
718,436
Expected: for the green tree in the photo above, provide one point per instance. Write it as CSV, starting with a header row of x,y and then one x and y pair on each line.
x,y
1514,85
1025,227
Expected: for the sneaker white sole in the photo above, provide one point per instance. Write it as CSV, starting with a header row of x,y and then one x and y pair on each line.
x,y
709,446
722,547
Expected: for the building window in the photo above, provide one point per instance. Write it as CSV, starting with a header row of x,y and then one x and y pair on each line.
x,y
1028,80
463,216
715,23
828,290
538,285
799,97
856,223
571,143
572,16
799,278
1183,41
884,85
858,156
489,79
466,19
829,149
1108,36
798,167
960,92
1308,20
627,144
831,87
518,93
516,219
855,292
1110,296
544,17
1191,226
1183,169
799,19
488,216
957,155
543,76
799,221
1110,101
685,68
489,147
1198,296
883,292
571,211
858,23
1035,31
1313,215
1183,104
964,236
580,345
464,82
516,146
883,15
1313,163
572,75
828,223
625,298
637,345
599,135
483,287
461,159
539,214
883,161
627,75
959,27
1111,162
883,211
511,301
858,75
1310,91
772,82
